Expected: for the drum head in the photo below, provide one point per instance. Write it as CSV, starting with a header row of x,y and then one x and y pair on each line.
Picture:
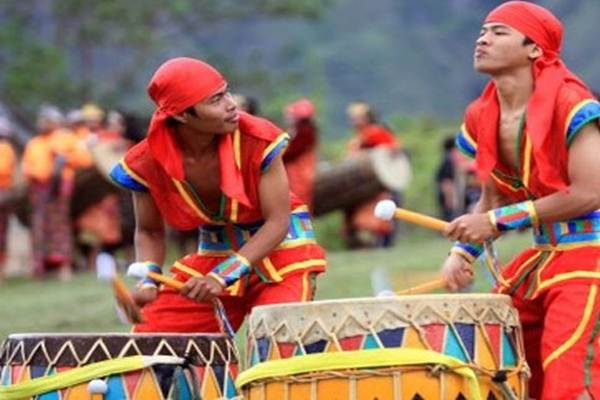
x,y
392,167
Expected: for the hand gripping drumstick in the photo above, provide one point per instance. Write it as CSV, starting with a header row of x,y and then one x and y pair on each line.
x,y
141,271
106,270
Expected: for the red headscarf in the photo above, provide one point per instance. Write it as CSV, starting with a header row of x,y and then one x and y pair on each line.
x,y
549,73
178,84
300,109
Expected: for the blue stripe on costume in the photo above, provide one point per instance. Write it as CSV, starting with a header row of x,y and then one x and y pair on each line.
x,y
465,143
582,114
275,148
120,175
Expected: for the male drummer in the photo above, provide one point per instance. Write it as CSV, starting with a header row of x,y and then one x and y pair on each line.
x,y
534,135
206,165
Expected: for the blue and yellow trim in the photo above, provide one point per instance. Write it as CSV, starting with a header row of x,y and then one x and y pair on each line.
x,y
275,148
122,175
584,112
465,142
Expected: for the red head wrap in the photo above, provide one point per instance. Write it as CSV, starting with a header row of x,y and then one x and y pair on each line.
x,y
301,109
549,72
178,84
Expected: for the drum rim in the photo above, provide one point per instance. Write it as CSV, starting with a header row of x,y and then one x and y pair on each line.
x,y
390,300
45,335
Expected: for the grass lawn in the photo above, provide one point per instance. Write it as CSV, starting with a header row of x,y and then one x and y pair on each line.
x,y
86,305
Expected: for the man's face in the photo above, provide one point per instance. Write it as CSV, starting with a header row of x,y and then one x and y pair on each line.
x,y
500,49
216,115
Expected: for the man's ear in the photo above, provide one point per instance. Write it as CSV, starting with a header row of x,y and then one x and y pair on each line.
x,y
181,117
535,52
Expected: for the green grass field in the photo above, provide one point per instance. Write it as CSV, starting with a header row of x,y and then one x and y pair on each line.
x,y
86,305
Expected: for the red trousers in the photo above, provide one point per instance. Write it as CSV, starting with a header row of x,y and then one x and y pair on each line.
x,y
560,329
172,312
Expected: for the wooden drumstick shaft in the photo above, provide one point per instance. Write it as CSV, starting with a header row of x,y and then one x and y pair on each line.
x,y
175,284
420,219
424,287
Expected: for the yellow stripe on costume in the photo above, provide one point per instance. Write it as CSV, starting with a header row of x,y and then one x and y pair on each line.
x,y
301,265
527,161
132,174
237,148
578,331
305,287
273,273
190,202
283,136
574,111
566,276
185,269
467,136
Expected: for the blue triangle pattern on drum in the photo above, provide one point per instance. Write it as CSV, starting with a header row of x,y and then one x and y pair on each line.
x,y
467,335
255,357
391,337
452,347
36,371
5,376
116,391
230,392
54,395
299,351
263,344
508,352
316,347
181,386
219,371
370,343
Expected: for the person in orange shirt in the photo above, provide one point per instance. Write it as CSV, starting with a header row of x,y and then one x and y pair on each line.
x,y
300,158
48,164
8,160
369,134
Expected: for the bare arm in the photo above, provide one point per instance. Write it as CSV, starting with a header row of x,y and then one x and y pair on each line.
x,y
149,238
275,207
583,194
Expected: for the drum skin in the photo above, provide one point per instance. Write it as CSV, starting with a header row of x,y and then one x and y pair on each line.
x,y
481,332
209,371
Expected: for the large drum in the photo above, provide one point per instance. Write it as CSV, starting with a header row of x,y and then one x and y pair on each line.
x,y
133,366
359,178
406,347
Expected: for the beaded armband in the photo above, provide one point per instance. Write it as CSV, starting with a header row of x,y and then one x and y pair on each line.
x,y
469,251
147,281
514,216
231,270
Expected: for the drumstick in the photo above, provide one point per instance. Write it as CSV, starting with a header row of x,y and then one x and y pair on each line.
x,y
426,287
387,210
106,271
141,271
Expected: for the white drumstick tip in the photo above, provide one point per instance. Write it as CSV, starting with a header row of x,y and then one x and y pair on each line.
x,y
97,386
138,270
385,210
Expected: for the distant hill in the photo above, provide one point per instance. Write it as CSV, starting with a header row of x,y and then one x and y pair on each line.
x,y
406,57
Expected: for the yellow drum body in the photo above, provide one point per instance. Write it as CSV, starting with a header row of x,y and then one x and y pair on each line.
x,y
171,366
404,347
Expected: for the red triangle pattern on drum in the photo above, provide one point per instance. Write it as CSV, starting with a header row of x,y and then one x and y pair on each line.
x,y
351,343
286,350
199,371
63,392
494,332
16,372
131,380
434,334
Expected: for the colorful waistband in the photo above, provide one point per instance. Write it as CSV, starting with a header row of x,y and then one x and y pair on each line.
x,y
581,231
223,240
